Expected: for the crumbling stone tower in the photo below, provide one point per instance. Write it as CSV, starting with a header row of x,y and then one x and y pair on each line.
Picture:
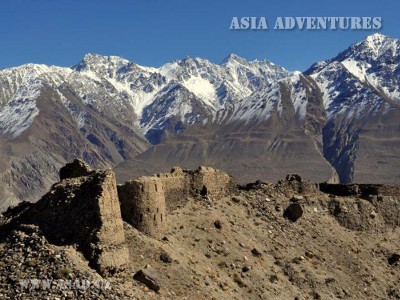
x,y
83,210
143,205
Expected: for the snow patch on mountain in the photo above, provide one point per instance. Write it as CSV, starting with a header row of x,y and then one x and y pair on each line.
x,y
328,78
358,69
258,106
202,89
298,95
18,114
168,69
378,43
20,86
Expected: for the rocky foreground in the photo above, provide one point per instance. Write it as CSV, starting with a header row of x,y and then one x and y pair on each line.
x,y
290,240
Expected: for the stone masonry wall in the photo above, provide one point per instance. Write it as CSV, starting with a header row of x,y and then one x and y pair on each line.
x,y
177,187
143,205
111,236
211,182
146,201
84,211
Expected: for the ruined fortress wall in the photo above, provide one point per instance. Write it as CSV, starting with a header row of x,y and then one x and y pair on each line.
x,y
143,205
180,184
177,188
146,201
74,169
211,182
126,196
85,211
114,253
385,199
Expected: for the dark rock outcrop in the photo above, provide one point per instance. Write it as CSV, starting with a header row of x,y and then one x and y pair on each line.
x,y
394,259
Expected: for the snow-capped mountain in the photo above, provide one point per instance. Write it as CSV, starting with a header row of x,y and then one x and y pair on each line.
x,y
260,105
180,93
107,109
360,90
374,62
253,118
341,113
189,90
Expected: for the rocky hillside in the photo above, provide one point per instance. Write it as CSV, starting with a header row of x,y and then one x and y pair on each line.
x,y
290,240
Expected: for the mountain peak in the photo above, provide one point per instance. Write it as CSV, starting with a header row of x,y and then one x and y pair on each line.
x,y
234,58
371,49
376,37
377,45
93,60
193,59
377,40
90,56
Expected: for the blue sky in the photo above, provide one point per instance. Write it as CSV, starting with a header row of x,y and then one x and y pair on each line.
x,y
153,32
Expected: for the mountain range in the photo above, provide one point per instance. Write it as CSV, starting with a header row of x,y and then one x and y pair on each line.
x,y
337,121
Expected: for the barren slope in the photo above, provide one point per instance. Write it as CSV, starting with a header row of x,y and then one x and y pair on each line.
x,y
239,247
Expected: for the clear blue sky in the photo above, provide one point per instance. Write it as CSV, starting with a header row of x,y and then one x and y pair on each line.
x,y
152,32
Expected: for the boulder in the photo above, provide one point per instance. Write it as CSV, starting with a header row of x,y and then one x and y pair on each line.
x,y
165,258
149,277
218,224
256,252
394,259
293,177
293,212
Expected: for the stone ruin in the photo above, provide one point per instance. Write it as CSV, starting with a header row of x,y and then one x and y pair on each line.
x,y
293,183
212,183
87,208
84,210
146,201
143,205
368,199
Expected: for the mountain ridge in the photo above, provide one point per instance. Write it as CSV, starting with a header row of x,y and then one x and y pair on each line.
x,y
336,120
